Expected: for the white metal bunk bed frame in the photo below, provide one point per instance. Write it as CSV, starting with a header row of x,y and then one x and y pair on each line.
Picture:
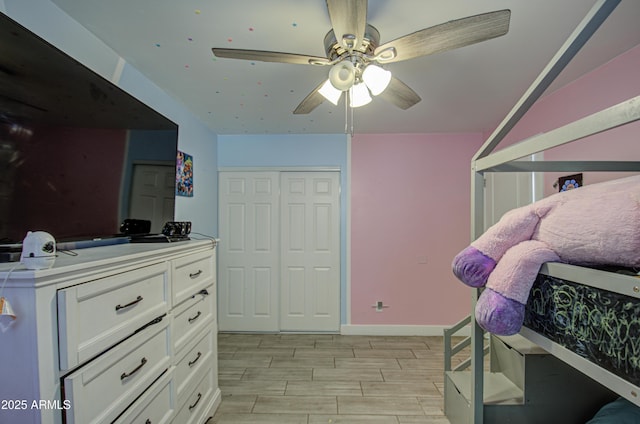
x,y
506,160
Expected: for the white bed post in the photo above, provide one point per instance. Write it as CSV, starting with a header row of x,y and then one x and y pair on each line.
x,y
477,333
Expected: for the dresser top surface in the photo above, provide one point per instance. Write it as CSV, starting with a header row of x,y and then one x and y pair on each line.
x,y
104,256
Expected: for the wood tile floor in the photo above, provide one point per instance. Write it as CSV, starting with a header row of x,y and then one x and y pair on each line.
x,y
330,379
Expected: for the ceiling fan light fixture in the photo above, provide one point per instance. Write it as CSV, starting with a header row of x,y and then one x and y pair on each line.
x,y
330,92
359,95
376,78
342,75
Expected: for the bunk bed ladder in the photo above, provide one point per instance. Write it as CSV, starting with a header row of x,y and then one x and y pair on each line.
x,y
450,350
459,378
523,383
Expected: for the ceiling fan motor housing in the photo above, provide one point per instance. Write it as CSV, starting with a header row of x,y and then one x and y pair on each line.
x,y
348,70
336,49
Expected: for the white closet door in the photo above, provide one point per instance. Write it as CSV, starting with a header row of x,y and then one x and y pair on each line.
x,y
249,251
310,238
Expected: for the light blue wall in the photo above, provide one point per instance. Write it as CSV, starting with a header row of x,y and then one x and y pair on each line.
x,y
289,150
51,23
282,150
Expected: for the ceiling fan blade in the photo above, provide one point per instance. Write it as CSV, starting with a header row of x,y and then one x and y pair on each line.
x,y
267,56
448,36
312,101
400,94
348,17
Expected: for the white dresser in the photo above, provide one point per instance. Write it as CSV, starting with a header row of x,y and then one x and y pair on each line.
x,y
124,333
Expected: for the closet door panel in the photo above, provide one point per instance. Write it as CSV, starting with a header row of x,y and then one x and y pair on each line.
x,y
249,252
310,268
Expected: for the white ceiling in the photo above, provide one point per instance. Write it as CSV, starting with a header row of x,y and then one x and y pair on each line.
x,y
465,90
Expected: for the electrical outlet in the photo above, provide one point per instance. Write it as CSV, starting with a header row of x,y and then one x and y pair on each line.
x,y
379,306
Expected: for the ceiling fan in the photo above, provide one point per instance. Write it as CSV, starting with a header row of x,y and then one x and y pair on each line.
x,y
356,58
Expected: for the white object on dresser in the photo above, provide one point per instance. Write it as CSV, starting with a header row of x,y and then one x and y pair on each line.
x,y
125,333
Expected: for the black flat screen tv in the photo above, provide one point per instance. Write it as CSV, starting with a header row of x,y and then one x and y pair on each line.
x,y
78,155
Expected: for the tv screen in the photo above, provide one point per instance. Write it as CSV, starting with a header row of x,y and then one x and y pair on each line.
x,y
78,155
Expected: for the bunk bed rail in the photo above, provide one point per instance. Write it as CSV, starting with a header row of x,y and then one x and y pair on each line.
x,y
615,116
587,27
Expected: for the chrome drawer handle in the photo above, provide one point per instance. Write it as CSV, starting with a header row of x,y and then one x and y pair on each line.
x,y
195,274
191,363
202,292
135,370
197,400
138,300
195,317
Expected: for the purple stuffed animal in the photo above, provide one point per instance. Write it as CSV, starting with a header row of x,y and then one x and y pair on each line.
x,y
597,224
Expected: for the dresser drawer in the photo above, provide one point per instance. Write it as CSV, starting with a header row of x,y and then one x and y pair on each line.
x,y
191,316
96,315
198,402
99,391
155,406
197,355
190,274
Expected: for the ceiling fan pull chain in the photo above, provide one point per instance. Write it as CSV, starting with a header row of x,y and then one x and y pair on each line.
x,y
346,112
350,108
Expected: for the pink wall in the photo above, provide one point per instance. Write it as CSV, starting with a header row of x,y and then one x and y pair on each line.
x,y
410,201
410,198
606,86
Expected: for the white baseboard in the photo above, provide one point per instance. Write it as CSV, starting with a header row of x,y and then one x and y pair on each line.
x,y
398,330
